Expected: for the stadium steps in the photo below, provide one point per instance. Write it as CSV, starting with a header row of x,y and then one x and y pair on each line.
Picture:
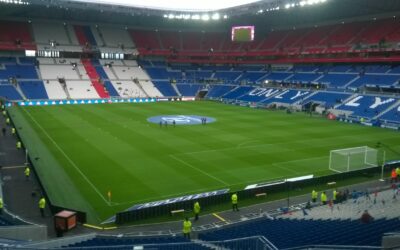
x,y
278,44
305,98
94,78
159,40
114,73
78,72
229,91
323,41
345,101
176,89
316,80
38,72
68,34
349,83
387,110
208,245
19,90
141,88
99,35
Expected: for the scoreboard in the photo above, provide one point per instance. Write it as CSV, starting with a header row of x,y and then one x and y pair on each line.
x,y
242,33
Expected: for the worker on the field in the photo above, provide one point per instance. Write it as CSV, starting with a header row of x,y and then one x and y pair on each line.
x,y
42,205
314,196
19,145
234,199
13,131
187,228
27,172
324,198
398,173
8,121
196,210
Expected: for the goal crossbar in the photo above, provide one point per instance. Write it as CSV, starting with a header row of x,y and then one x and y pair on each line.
x,y
350,159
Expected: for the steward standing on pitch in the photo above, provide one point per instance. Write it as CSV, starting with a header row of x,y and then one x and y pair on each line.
x,y
234,199
187,228
196,210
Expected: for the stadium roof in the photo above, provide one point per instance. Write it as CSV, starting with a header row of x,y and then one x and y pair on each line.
x,y
257,13
177,5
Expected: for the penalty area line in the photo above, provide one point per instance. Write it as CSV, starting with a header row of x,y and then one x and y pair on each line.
x,y
199,170
67,157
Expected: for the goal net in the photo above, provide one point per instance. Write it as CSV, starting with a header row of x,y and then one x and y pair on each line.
x,y
350,159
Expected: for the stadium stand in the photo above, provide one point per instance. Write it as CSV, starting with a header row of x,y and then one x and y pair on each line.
x,y
367,106
46,32
115,37
33,90
165,88
95,78
328,99
15,35
54,90
9,92
217,91
288,97
321,225
189,89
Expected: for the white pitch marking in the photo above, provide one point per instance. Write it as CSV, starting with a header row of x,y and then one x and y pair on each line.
x,y
199,170
13,167
69,159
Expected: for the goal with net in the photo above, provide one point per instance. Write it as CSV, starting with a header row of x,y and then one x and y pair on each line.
x,y
350,159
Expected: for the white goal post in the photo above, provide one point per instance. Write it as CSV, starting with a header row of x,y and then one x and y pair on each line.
x,y
350,159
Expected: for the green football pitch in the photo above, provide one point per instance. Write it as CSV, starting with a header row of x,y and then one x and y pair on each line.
x,y
81,152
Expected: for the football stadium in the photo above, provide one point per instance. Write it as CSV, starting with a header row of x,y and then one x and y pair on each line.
x,y
243,124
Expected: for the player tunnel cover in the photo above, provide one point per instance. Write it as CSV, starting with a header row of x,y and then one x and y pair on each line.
x,y
181,119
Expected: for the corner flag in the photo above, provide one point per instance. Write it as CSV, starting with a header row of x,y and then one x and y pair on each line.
x,y
109,196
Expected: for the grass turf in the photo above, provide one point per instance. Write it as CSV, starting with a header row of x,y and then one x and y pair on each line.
x,y
84,151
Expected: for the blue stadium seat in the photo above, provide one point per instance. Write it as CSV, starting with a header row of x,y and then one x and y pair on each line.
x,y
33,90
165,88
189,89
288,96
285,233
239,91
9,92
328,99
367,106
219,90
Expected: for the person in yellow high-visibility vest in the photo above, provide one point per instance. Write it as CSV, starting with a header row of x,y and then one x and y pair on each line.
x,y
234,199
8,121
314,196
42,205
1,205
187,228
19,145
398,173
324,198
196,210
13,131
27,172
334,196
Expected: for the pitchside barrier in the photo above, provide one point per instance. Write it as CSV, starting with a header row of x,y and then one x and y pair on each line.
x,y
165,209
